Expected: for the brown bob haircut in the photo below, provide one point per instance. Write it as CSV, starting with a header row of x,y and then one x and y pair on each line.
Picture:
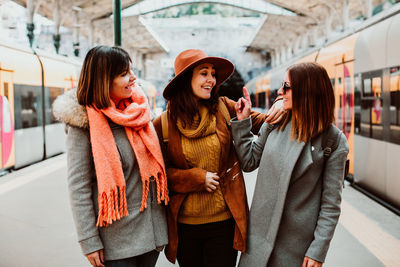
x,y
101,65
185,105
313,101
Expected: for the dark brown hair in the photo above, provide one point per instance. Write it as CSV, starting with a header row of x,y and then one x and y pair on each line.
x,y
313,101
184,104
101,65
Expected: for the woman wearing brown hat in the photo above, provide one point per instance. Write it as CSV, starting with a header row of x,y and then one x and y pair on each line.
x,y
208,211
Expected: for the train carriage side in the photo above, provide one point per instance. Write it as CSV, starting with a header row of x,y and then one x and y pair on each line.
x,y
31,83
23,73
377,109
338,59
60,74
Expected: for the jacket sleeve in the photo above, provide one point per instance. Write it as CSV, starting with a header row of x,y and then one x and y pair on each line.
x,y
248,150
81,181
257,118
178,180
332,185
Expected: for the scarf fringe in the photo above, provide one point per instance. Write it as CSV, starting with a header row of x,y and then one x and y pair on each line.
x,y
112,206
162,191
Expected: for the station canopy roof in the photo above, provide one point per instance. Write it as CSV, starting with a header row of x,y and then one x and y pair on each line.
x,y
286,20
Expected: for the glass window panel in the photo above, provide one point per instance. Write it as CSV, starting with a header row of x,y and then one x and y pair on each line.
x,y
27,105
357,103
6,90
395,105
367,87
376,86
52,94
333,82
6,116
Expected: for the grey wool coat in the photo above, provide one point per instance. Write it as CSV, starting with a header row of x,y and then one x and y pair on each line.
x,y
133,235
296,204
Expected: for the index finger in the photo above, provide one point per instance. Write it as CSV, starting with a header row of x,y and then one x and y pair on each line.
x,y
246,94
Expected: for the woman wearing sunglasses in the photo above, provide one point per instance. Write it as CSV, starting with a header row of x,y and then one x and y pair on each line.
x,y
207,214
296,203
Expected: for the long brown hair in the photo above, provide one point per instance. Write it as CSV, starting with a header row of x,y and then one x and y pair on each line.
x,y
313,101
101,65
184,104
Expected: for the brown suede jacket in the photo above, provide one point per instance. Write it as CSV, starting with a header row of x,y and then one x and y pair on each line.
x,y
183,180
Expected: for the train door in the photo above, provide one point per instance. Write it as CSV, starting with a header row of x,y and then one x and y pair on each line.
x,y
7,155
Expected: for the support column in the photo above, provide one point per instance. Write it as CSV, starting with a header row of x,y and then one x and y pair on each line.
x,y
345,14
368,9
139,60
117,23
297,46
91,33
57,24
30,26
273,59
304,41
289,51
328,25
283,53
75,34
144,65
277,57
313,37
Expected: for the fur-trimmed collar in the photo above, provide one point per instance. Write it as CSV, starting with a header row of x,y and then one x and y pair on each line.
x,y
67,109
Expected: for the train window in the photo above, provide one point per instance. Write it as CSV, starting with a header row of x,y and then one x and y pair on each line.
x,y
395,105
6,90
260,100
52,92
357,103
333,83
371,107
27,106
367,87
376,86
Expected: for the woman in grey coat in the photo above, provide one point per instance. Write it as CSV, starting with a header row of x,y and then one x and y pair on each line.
x,y
116,173
296,203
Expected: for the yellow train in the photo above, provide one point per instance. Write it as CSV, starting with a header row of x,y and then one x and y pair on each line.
x,y
30,80
364,68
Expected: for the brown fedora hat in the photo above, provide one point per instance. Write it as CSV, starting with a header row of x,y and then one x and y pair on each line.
x,y
191,58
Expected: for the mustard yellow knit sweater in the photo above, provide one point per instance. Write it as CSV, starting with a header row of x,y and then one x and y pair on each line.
x,y
202,149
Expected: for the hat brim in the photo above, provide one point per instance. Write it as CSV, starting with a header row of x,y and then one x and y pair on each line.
x,y
223,68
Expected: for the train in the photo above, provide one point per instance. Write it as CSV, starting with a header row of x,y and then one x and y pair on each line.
x,y
30,81
364,68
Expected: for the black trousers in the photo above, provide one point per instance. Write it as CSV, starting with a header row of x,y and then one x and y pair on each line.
x,y
206,245
148,259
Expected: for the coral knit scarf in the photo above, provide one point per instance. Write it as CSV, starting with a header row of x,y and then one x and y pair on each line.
x,y
134,114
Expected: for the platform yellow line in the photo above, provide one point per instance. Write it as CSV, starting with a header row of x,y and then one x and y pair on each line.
x,y
381,244
30,176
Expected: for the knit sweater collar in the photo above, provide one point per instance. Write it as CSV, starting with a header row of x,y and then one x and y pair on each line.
x,y
203,124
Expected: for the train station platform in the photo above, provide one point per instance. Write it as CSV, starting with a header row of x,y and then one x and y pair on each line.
x,y
36,227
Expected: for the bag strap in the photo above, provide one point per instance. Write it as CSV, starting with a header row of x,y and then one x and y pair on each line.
x,y
330,141
164,126
224,110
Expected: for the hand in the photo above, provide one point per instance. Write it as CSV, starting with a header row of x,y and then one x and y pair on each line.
x,y
96,258
243,106
308,262
211,182
275,113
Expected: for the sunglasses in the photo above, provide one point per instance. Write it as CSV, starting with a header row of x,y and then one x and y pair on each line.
x,y
285,87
